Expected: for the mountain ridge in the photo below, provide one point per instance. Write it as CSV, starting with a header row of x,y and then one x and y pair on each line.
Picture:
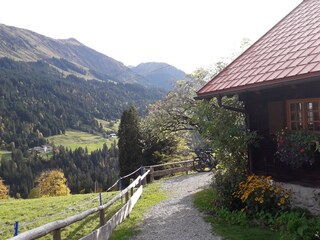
x,y
25,45
44,85
160,74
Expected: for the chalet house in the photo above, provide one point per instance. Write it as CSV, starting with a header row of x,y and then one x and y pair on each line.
x,y
43,149
278,79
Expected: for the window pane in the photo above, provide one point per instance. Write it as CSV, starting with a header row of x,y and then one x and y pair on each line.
x,y
310,117
292,107
295,107
300,117
309,105
304,115
316,106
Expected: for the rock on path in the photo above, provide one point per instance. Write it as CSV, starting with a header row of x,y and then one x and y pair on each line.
x,y
176,218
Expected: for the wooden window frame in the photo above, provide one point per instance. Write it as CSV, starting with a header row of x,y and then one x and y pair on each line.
x,y
304,112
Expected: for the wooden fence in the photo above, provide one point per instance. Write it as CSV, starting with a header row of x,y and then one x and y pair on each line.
x,y
106,227
105,231
169,168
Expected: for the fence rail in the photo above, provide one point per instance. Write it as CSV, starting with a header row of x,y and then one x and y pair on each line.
x,y
106,228
174,167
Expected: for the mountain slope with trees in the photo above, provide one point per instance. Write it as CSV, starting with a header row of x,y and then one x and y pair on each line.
x,y
24,45
45,87
36,102
161,75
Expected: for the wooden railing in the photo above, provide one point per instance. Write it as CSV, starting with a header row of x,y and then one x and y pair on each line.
x,y
105,231
169,168
106,227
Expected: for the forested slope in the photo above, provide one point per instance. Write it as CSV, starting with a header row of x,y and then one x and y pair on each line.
x,y
36,101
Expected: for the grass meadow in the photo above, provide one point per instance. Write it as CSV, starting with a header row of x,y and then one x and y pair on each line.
x,y
31,213
73,139
110,126
5,155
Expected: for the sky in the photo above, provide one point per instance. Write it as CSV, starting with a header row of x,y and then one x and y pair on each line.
x,y
188,34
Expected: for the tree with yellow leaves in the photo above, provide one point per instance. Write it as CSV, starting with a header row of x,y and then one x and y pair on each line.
x,y
4,192
52,183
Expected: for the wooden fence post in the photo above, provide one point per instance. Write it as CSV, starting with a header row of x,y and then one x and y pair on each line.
x,y
127,196
57,234
144,181
186,166
131,190
102,218
120,187
140,183
101,212
151,174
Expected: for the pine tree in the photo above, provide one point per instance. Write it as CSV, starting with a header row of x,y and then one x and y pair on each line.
x,y
130,151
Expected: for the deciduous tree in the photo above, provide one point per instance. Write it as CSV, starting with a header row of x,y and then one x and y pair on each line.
x,y
4,192
52,183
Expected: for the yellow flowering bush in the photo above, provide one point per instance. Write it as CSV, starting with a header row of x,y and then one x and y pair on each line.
x,y
4,192
261,193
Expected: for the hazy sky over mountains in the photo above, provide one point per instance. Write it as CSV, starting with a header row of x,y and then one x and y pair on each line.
x,y
187,34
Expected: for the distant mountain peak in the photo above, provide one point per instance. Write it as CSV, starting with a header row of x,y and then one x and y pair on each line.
x,y
71,41
160,74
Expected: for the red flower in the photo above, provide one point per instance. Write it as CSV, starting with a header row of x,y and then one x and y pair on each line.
x,y
281,141
302,150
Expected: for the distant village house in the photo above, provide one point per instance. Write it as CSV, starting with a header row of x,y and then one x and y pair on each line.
x,y
42,149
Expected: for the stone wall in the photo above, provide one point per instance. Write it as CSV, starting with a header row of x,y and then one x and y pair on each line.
x,y
304,197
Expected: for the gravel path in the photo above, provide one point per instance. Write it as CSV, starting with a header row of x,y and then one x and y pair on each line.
x,y
176,218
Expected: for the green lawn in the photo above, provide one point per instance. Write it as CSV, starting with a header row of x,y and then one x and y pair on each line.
x,y
5,155
73,139
31,213
203,201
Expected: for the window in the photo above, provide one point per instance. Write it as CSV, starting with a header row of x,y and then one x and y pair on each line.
x,y
304,114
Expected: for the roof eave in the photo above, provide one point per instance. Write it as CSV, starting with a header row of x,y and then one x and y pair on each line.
x,y
305,78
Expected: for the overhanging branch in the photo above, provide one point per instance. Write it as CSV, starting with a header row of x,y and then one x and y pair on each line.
x,y
240,110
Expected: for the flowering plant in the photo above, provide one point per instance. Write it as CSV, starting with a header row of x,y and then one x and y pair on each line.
x,y
296,148
261,193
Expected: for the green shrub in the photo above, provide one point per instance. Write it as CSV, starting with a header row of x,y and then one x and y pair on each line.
x,y
296,226
225,184
34,193
232,217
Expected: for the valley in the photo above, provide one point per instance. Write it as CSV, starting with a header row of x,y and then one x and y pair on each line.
x,y
73,139
64,93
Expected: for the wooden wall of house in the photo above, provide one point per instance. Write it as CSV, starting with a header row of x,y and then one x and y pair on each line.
x,y
267,115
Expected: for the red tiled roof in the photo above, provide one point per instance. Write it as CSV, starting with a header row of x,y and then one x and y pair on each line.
x,y
289,51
